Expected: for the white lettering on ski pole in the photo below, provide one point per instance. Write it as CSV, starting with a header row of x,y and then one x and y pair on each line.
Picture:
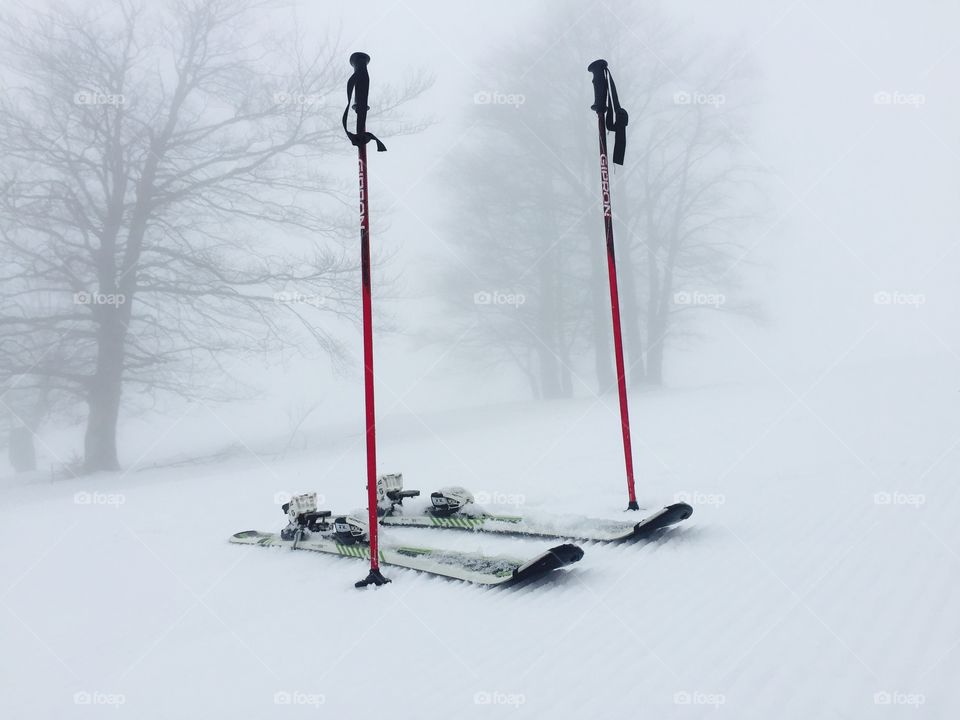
x,y
363,207
605,185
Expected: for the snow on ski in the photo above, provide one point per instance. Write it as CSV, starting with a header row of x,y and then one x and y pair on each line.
x,y
578,528
454,507
471,567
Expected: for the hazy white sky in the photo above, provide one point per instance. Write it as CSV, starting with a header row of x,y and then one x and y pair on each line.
x,y
864,195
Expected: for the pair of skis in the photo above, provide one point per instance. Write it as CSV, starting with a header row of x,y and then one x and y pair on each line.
x,y
310,528
449,508
353,537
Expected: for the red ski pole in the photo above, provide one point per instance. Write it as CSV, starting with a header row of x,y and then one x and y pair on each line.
x,y
359,83
610,116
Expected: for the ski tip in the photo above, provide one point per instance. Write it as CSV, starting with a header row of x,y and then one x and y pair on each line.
x,y
567,553
670,515
553,559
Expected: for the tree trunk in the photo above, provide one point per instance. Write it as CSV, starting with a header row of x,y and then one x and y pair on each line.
x,y
630,317
566,376
627,271
655,347
103,397
549,377
655,325
23,457
600,305
549,312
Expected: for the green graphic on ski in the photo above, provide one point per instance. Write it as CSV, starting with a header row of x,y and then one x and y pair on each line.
x,y
471,567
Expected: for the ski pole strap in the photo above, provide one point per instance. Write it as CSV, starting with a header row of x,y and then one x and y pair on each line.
x,y
359,83
606,102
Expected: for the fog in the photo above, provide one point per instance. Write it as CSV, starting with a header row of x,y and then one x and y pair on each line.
x,y
860,193
852,258
848,114
184,305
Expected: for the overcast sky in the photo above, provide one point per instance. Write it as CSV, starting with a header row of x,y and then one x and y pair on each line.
x,y
865,193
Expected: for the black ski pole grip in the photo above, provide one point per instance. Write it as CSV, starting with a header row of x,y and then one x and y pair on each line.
x,y
599,70
358,89
359,62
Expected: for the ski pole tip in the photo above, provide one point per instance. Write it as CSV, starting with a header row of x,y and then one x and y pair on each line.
x,y
359,60
375,578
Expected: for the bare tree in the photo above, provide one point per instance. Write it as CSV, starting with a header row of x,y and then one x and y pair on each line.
x,y
165,204
691,196
531,223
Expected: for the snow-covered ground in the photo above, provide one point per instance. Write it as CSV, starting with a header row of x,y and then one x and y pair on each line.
x,y
818,578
